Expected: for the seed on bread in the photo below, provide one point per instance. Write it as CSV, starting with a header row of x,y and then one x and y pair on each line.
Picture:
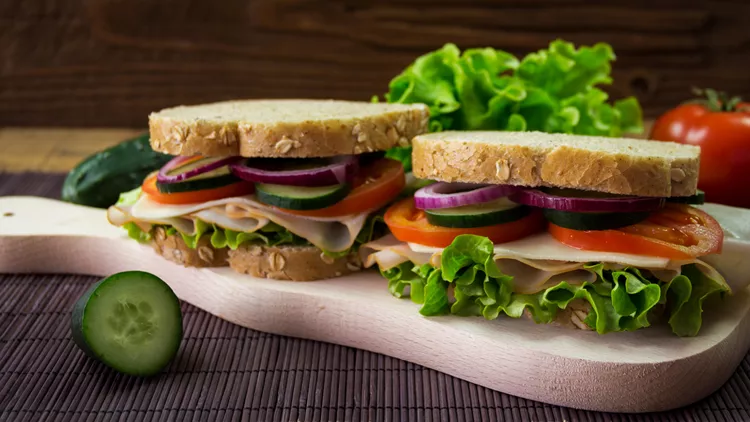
x,y
326,258
206,253
276,262
285,145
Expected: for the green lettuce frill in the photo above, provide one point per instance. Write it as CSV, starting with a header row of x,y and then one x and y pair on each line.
x,y
269,235
619,300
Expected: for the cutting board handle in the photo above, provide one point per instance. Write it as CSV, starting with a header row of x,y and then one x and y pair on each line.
x,y
34,216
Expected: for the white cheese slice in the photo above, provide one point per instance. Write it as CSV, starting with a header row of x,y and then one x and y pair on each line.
x,y
543,246
218,216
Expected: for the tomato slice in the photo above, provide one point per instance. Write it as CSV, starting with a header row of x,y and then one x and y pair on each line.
x,y
374,186
198,196
409,224
677,231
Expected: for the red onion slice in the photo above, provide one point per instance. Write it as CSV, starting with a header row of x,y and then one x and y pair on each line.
x,y
339,171
450,195
537,198
194,168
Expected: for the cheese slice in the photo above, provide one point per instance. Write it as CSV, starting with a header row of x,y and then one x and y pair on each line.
x,y
543,246
243,214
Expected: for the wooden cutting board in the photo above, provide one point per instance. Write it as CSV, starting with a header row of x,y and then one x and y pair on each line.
x,y
648,370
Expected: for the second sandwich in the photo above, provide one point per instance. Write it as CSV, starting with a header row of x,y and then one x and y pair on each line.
x,y
601,234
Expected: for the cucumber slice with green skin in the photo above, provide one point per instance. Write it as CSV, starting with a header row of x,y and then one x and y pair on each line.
x,y
300,197
130,321
222,176
698,199
491,213
593,220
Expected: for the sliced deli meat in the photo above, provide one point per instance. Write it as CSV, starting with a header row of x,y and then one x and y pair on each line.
x,y
533,271
243,214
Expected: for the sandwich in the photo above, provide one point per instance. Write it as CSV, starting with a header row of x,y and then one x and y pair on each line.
x,y
595,233
281,189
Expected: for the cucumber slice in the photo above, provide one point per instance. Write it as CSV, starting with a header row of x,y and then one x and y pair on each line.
x,y
593,220
217,178
698,199
499,211
130,321
300,197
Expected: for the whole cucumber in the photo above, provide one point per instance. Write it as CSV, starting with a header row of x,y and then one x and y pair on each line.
x,y
98,180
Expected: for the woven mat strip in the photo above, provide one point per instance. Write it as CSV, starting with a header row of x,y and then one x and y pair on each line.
x,y
226,372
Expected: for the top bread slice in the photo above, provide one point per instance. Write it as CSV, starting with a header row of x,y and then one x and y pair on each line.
x,y
612,165
285,128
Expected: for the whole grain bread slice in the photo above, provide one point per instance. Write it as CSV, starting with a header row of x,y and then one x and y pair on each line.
x,y
286,262
290,262
612,165
285,128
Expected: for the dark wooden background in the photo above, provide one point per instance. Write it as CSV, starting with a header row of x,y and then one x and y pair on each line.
x,y
110,63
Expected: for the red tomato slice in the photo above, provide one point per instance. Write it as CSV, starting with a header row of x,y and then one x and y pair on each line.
x,y
409,224
374,186
676,232
235,189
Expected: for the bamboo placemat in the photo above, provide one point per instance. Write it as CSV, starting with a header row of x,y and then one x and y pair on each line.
x,y
225,372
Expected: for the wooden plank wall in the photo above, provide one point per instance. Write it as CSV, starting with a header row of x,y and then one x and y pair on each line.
x,y
111,62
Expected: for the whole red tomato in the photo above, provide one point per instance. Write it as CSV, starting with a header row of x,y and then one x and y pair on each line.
x,y
721,128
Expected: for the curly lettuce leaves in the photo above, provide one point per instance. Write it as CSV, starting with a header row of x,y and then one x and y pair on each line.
x,y
402,154
551,90
130,197
136,233
686,294
469,283
270,235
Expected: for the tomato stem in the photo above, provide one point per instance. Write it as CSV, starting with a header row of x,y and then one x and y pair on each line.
x,y
718,101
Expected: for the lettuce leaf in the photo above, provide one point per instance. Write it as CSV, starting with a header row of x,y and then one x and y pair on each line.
x,y
130,197
135,233
402,154
270,235
551,90
618,300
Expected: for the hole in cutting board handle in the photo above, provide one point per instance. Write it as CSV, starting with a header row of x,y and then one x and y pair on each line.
x,y
8,214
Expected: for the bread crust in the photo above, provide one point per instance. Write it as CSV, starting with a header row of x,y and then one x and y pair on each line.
x,y
286,128
638,167
173,248
295,263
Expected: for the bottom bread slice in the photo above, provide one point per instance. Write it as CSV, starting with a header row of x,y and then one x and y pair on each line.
x,y
173,248
286,262
296,263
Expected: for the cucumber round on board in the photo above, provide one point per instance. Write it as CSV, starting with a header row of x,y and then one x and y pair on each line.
x,y
300,197
491,213
130,321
